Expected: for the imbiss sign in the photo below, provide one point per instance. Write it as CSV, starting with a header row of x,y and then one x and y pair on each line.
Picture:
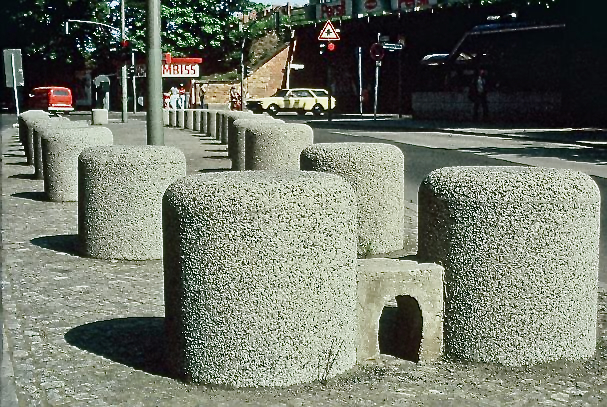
x,y
180,71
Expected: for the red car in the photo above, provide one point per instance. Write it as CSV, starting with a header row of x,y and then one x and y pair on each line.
x,y
51,99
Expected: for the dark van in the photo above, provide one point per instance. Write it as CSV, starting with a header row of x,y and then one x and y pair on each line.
x,y
51,99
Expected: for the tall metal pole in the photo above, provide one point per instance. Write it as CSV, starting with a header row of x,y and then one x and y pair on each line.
x,y
123,75
134,84
360,79
15,83
155,131
400,83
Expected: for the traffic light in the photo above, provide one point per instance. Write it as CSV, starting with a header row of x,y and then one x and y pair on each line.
x,y
324,47
124,51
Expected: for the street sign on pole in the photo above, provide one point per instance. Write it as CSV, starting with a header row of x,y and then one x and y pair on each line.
x,y
13,68
328,33
13,71
392,46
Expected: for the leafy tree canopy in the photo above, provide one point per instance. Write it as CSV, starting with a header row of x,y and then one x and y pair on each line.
x,y
203,28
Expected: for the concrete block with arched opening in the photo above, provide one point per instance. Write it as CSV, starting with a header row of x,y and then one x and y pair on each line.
x,y
400,309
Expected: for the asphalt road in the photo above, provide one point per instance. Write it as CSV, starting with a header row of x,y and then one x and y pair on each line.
x,y
425,152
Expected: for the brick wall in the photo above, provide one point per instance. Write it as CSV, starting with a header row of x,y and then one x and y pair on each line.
x,y
263,82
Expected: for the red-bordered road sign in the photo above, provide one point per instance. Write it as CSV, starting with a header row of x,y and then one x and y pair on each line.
x,y
328,33
377,52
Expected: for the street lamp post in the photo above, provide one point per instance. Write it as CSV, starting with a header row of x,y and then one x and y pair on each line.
x,y
155,131
123,74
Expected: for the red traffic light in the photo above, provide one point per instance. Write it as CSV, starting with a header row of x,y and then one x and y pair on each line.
x,y
124,43
331,46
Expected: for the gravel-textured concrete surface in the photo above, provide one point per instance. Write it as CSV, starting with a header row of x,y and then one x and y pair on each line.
x,y
181,118
39,127
227,124
89,332
276,146
120,199
237,144
60,151
197,125
260,277
376,171
189,119
212,123
26,132
520,251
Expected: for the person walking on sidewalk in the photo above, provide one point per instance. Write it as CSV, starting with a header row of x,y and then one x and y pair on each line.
x,y
478,94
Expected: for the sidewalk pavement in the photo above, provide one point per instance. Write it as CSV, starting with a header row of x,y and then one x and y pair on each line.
x,y
88,332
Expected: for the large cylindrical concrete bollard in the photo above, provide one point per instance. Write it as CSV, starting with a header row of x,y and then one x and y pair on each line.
x,y
120,199
189,119
236,144
228,130
275,146
99,117
166,121
376,171
520,250
260,284
60,151
39,127
181,118
26,131
173,117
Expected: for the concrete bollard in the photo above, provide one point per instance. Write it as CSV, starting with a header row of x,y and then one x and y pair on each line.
x,y
520,250
181,118
166,121
376,171
212,123
173,117
60,151
197,120
39,127
275,146
99,117
120,199
189,119
204,122
236,144
26,131
260,281
228,130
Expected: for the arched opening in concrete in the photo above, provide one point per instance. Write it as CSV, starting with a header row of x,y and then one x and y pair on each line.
x,y
400,328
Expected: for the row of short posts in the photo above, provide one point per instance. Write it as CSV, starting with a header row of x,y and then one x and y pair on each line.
x,y
264,269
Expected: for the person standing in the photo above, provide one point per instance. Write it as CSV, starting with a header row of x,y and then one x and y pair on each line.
x,y
478,94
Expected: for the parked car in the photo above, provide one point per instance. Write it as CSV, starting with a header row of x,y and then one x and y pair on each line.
x,y
51,99
300,100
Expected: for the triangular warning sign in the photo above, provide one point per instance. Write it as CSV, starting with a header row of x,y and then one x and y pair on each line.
x,y
328,33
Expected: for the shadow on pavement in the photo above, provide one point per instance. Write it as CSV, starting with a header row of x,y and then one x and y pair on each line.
x,y
35,196
137,342
59,243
